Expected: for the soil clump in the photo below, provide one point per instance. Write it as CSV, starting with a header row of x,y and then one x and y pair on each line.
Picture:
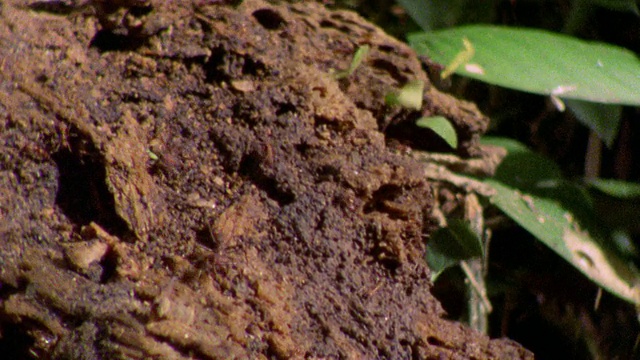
x,y
189,180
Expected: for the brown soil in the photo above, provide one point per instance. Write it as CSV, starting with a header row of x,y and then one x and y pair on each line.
x,y
185,181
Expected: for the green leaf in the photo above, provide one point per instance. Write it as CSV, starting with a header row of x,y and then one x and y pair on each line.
x,y
616,5
461,58
450,245
616,188
441,126
358,57
421,11
436,14
523,168
604,119
410,96
530,190
540,62
152,155
557,227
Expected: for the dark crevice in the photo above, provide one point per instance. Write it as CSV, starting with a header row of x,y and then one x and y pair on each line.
x,y
109,265
105,40
327,24
82,194
384,193
432,340
224,65
59,7
250,167
390,68
15,343
285,108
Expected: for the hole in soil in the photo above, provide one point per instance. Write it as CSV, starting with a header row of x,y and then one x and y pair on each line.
x,y
224,65
250,167
331,25
384,193
390,68
432,340
15,344
252,67
53,7
109,265
106,40
285,108
83,195
269,19
139,11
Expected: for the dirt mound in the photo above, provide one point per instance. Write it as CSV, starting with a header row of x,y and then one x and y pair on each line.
x,y
188,180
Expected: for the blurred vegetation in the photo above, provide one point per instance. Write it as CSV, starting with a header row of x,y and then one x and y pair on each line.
x,y
540,300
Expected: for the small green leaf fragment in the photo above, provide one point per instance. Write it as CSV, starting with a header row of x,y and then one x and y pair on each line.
x,y
461,58
450,245
358,57
410,96
152,155
441,126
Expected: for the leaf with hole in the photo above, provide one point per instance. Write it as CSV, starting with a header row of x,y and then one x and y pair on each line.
x,y
560,214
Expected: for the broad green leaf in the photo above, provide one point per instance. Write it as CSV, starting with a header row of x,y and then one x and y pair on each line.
x,y
358,57
410,96
540,62
616,5
441,126
617,188
523,168
421,11
512,146
461,58
556,226
530,190
604,119
617,203
450,245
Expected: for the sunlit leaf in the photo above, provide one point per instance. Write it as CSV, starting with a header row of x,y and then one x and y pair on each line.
x,y
450,245
410,96
441,126
540,62
461,58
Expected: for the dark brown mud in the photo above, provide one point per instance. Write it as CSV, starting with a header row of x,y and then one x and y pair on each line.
x,y
188,180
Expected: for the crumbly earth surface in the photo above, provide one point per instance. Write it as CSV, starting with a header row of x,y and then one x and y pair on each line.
x,y
188,180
